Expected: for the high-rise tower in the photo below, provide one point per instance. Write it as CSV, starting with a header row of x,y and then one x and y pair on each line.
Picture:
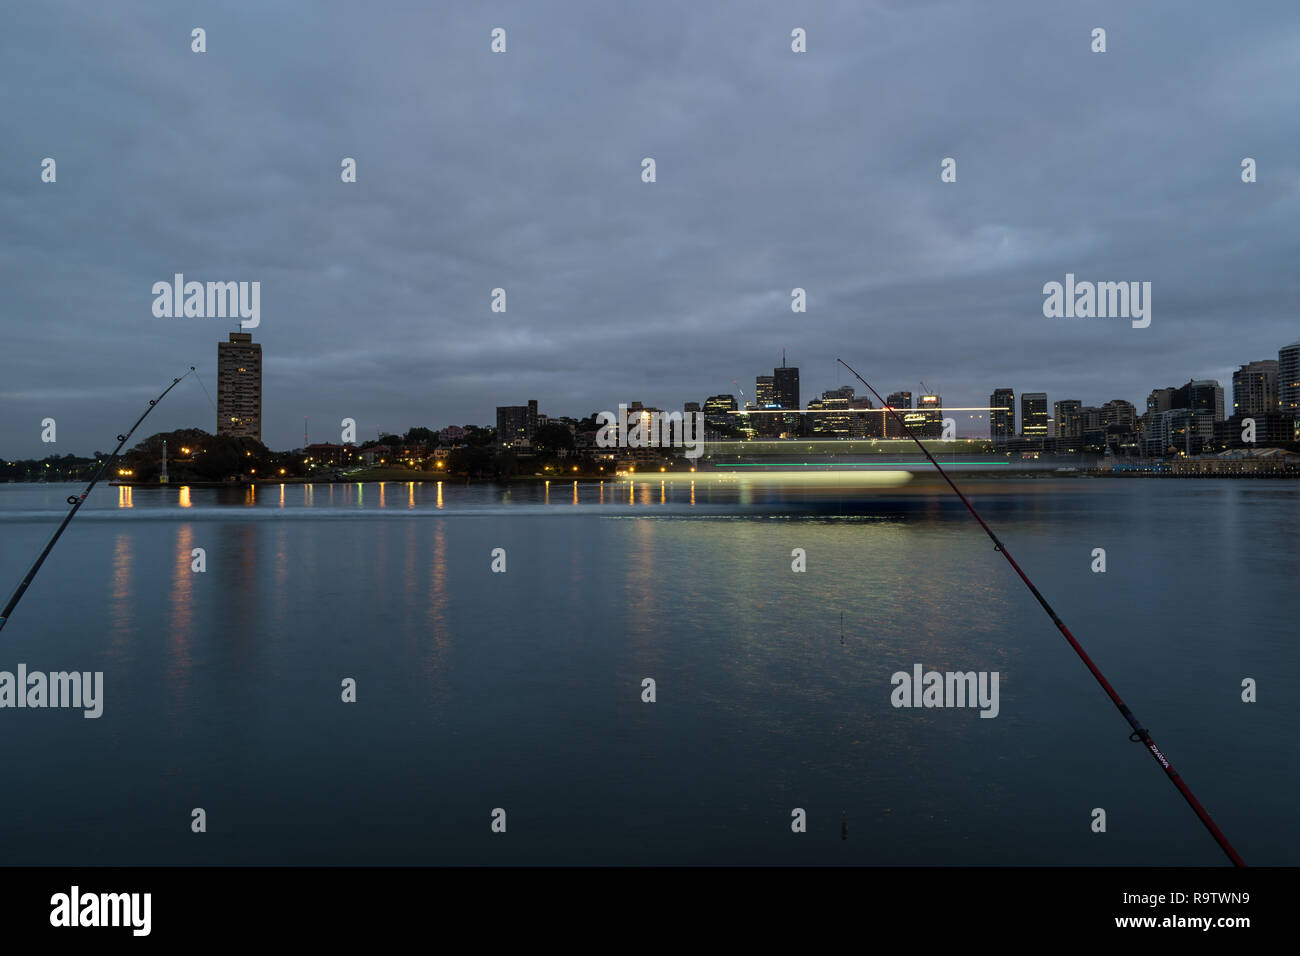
x,y
239,387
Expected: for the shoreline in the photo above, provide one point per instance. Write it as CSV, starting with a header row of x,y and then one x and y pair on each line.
x,y
435,478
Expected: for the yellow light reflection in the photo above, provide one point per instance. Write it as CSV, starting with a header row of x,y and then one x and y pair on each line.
x,y
123,595
842,479
185,497
182,616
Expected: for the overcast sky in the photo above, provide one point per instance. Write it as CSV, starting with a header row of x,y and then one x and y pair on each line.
x,y
522,170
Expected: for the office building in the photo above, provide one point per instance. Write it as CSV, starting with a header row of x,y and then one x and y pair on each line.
x,y
1160,400
1254,388
832,419
1069,421
785,383
1121,414
1288,380
717,409
1205,397
1002,415
1033,415
926,420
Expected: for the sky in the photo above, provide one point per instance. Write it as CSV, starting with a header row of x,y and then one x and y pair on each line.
x,y
522,170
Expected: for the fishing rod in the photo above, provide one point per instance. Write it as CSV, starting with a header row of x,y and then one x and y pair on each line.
x,y
77,500
1140,734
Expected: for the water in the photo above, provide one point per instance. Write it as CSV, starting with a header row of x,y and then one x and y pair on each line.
x,y
523,690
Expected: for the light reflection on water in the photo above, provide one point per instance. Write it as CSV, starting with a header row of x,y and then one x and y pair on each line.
x,y
473,685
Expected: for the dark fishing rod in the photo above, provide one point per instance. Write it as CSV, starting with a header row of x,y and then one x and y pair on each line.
x,y
77,500
1140,734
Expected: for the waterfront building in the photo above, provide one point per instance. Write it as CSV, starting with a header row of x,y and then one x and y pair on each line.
x,y
239,387
1254,388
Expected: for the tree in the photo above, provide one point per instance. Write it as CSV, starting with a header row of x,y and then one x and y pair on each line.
x,y
421,436
471,461
551,439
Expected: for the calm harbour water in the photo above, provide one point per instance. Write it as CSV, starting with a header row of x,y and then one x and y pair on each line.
x,y
523,690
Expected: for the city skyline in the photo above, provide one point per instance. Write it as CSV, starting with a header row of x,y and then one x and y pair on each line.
x,y
239,387
523,173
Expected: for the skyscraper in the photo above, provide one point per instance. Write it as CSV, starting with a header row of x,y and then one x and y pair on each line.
x,y
836,419
1121,413
1033,414
1204,397
1254,388
929,415
1002,417
1069,423
239,387
1288,380
516,424
899,400
785,382
1160,400
717,409
785,385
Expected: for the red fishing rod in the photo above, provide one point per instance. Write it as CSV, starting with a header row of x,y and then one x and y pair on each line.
x,y
1140,734
78,500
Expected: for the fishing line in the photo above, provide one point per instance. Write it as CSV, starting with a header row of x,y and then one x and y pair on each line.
x,y
205,390
1140,734
77,500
